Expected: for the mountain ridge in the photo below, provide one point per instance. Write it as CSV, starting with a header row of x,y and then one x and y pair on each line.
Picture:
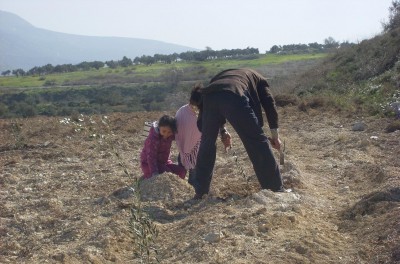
x,y
24,46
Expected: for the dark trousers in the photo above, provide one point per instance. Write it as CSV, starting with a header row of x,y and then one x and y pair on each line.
x,y
236,109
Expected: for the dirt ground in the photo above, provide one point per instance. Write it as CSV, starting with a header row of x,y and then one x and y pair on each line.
x,y
67,186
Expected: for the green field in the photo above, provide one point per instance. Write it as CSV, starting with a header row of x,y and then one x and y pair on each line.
x,y
154,87
143,73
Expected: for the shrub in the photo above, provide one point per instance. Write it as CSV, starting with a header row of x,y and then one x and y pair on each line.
x,y
25,110
303,106
317,102
393,126
3,109
49,83
286,99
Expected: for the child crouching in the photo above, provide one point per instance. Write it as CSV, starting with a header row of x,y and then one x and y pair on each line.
x,y
155,156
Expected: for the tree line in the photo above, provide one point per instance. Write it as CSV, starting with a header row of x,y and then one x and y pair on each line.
x,y
189,56
329,45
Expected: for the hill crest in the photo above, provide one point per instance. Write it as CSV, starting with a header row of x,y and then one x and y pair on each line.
x,y
25,46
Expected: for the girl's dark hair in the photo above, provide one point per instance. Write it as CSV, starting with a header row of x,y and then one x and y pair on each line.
x,y
195,95
168,121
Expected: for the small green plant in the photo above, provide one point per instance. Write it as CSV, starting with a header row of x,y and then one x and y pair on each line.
x,y
16,131
241,170
144,231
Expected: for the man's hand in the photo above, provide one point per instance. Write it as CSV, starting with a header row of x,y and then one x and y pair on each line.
x,y
226,140
275,143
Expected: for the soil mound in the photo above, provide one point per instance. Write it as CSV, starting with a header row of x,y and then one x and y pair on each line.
x,y
165,187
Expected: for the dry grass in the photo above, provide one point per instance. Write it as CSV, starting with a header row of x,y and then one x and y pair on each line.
x,y
66,198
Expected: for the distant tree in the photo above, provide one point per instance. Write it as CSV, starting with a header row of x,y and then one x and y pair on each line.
x,y
97,64
33,71
162,58
6,73
18,72
112,64
159,58
147,60
315,47
136,60
187,56
209,53
174,57
65,68
125,62
294,48
275,49
250,51
200,56
169,58
331,43
84,66
47,69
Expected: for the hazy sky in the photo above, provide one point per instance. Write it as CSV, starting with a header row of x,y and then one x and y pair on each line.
x,y
218,24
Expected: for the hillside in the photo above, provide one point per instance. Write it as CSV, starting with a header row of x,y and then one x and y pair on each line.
x,y
25,46
66,197
362,79
159,86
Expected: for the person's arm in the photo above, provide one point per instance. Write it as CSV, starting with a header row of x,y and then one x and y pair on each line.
x,y
268,104
199,119
200,114
152,154
225,137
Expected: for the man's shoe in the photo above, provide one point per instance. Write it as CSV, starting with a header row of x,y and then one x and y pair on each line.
x,y
198,196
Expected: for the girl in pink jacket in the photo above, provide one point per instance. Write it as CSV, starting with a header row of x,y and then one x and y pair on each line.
x,y
155,156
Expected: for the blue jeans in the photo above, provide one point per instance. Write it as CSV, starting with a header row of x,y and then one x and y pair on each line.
x,y
226,105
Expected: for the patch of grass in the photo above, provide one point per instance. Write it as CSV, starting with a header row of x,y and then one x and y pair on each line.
x,y
341,138
318,101
286,99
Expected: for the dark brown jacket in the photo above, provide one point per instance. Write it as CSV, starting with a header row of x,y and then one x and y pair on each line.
x,y
249,83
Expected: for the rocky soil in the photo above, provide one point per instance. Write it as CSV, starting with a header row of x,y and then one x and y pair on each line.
x,y
68,195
